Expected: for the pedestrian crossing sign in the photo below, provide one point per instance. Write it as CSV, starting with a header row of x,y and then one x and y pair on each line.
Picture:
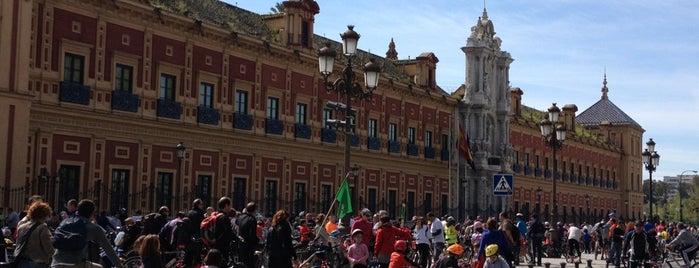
x,y
502,184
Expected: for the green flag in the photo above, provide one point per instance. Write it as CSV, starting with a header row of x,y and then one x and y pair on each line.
x,y
344,200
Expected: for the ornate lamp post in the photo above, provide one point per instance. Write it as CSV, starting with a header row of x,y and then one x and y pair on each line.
x,y
554,133
539,192
650,159
679,190
346,85
181,150
587,202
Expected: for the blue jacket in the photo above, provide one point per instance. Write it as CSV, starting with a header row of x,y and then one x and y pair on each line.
x,y
498,238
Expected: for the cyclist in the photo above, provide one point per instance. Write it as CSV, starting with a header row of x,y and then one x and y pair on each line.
x,y
398,258
637,243
451,260
685,242
574,238
493,260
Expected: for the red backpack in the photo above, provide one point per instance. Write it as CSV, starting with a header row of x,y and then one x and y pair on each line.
x,y
208,229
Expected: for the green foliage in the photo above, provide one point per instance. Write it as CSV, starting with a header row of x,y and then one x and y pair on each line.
x,y
277,8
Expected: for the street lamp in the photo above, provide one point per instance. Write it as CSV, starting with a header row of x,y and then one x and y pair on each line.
x,y
587,202
355,175
679,189
539,192
346,85
181,150
554,133
650,159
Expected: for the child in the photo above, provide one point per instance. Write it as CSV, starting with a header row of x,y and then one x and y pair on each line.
x,y
398,258
586,240
451,259
358,253
493,259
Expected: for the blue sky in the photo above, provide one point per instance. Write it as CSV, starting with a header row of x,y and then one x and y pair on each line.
x,y
561,48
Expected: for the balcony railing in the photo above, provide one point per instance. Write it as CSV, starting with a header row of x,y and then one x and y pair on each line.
x,y
124,101
517,168
206,115
328,135
445,155
429,152
302,131
413,150
373,143
74,93
242,121
354,140
169,109
393,146
274,126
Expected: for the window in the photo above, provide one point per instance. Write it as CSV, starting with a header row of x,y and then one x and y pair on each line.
x,y
372,199
546,163
515,156
206,95
526,159
536,161
272,108
428,139
270,197
445,204
167,87
372,128
445,142
411,135
410,205
392,128
204,188
392,205
299,197
327,115
428,202
123,78
163,189
325,197
241,102
120,189
69,183
301,113
239,193
73,68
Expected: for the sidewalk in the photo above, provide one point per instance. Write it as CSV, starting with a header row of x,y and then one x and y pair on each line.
x,y
556,262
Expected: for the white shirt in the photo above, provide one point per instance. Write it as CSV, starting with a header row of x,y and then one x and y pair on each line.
x,y
437,225
420,235
574,233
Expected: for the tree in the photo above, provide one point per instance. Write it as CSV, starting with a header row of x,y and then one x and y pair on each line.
x,y
659,190
277,8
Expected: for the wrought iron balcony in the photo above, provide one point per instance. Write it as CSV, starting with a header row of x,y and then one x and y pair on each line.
x,y
328,135
429,152
207,115
124,101
373,143
274,126
517,168
242,121
169,109
445,155
354,140
74,93
302,131
413,150
393,146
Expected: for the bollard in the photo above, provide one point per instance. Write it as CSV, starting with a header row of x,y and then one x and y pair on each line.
x,y
563,265
589,263
577,264
547,264
531,265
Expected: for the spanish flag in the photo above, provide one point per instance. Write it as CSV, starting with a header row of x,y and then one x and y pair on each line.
x,y
465,148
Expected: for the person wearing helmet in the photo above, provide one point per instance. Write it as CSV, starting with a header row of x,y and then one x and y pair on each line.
x,y
451,235
495,236
685,242
358,253
451,259
398,258
493,259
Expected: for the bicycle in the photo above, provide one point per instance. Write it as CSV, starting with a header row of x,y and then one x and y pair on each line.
x,y
674,259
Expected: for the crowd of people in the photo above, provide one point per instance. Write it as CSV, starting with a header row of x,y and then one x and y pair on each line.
x,y
222,236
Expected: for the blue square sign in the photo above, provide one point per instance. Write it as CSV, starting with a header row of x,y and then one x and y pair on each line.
x,y
502,185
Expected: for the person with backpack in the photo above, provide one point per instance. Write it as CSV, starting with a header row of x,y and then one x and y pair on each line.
x,y
192,250
536,235
153,222
217,230
279,247
498,237
512,234
33,248
173,234
247,230
72,236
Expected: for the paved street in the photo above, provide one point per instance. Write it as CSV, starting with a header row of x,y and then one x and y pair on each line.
x,y
556,263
